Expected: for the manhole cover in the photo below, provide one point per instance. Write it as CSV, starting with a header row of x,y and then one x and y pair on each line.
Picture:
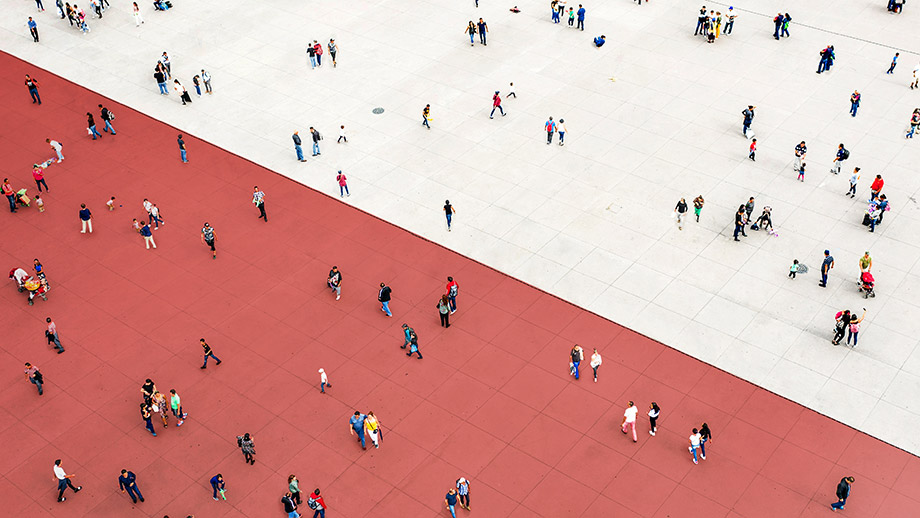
x,y
378,110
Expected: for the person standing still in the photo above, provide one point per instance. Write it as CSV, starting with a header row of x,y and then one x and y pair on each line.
x,y
550,128
854,102
842,155
596,362
297,146
581,17
183,153
316,138
146,414
175,402
730,23
34,377
147,235
63,480
826,268
218,485
653,412
343,184
127,482
698,203
843,492
629,419
334,281
208,237
383,296
206,79
443,306
86,217
497,104
800,150
449,211
248,447
208,353
483,29
453,289
748,114
258,199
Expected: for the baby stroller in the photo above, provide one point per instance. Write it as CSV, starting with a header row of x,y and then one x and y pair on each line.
x,y
867,285
22,199
162,5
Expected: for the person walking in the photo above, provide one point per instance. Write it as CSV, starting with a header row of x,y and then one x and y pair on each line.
x,y
297,146
107,118
698,203
497,104
449,211
33,29
52,335
596,362
316,138
86,217
778,25
147,235
748,114
894,63
206,79
127,482
581,17
334,281
159,404
208,353
854,102
914,122
57,147
196,82
154,216
138,19
576,356
323,381
739,223
258,199
146,414
294,488
426,116
694,444
289,506
483,29
218,486
175,402
753,149
854,180
33,84
853,329
842,155
680,210
653,412
786,20
248,447
63,480
372,428
471,30
914,84
550,128
333,49
383,296
453,289
560,128
343,137
34,376
444,311
843,492
413,344
91,126
183,152
705,436
826,267
356,427
450,501
629,420
311,53
463,493
183,93
319,53
410,336
209,237
343,184
160,77
748,210
318,504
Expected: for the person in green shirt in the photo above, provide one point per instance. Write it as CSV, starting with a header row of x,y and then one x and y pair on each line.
x,y
176,404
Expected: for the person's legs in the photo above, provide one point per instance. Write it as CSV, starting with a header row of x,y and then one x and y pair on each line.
x,y
150,427
635,437
214,487
595,373
453,303
184,155
576,364
561,138
448,221
452,512
315,149
693,451
37,384
262,211
549,137
839,504
443,319
386,308
299,151
321,513
703,449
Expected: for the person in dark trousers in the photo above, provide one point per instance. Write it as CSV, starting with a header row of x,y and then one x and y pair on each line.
x,y
208,353
497,104
107,119
739,223
443,306
854,102
581,17
748,114
705,436
146,413
786,20
483,29
319,505
843,492
34,377
247,447
127,482
33,28
453,289
412,339
842,155
63,481
840,326
894,63
297,146
209,237
258,199
409,335
426,116
183,153
778,25
52,335
32,85
383,296
700,21
826,268
449,211
653,412
218,485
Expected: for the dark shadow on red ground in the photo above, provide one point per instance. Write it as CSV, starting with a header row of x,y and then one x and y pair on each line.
x,y
491,401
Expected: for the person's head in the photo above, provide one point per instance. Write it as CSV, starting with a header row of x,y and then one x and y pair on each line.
x,y
550,117
444,299
343,127
654,406
49,318
705,427
311,129
383,284
57,462
867,253
850,479
220,477
840,146
82,205
427,106
603,37
450,279
173,392
321,371
496,92
246,436
682,200
316,491
124,471
754,140
255,188
296,132
357,413
563,120
446,202
288,493
28,365
176,81
206,224
30,18
695,431
883,197
878,176
827,252
291,477
201,340
630,404
370,413
180,135
90,114
750,107
452,490
405,326
331,40
795,261
28,76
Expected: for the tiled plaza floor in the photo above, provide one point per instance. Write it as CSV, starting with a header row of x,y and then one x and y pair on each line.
x,y
492,400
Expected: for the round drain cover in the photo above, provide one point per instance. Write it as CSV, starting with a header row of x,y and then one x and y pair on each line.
x,y
378,110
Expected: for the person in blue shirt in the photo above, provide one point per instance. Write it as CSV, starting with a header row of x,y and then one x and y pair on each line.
x,y
357,426
826,268
86,217
894,63
600,40
581,17
217,484
33,28
127,483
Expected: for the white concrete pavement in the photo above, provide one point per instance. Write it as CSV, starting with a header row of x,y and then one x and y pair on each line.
x,y
652,116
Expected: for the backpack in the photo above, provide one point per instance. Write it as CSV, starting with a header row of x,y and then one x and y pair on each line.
x,y
111,115
38,377
239,441
846,154
312,503
454,290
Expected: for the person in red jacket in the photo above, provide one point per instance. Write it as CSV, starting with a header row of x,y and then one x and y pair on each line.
x,y
452,290
319,53
876,187
497,104
317,503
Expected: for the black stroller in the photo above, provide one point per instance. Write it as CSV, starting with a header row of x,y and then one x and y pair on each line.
x,y
162,5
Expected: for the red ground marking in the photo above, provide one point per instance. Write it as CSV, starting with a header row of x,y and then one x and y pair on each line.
x,y
492,400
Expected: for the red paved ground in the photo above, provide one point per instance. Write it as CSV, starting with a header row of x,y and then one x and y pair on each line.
x,y
492,400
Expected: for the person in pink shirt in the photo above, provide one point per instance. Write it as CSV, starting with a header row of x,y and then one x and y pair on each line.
x,y
343,184
52,335
319,53
38,173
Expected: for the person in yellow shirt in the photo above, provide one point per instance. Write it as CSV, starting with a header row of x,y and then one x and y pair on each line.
x,y
372,428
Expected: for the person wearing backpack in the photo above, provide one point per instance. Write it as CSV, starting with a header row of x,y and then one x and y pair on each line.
x,y
854,102
452,290
289,506
842,155
107,118
317,503
316,138
247,447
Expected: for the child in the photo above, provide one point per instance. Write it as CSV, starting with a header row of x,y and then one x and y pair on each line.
x,y
753,149
794,268
571,17
111,204
894,63
39,203
802,172
511,91
136,225
342,135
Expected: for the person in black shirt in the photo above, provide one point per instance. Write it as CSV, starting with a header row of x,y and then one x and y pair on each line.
x,y
384,297
107,117
843,492
91,126
448,212
208,353
335,281
160,78
32,85
183,153
739,223
316,138
297,146
681,211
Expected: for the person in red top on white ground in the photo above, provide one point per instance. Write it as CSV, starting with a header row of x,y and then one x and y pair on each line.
x,y
497,104
317,503
452,290
876,187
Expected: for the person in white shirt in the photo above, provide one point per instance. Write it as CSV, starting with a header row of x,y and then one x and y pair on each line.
x,y
342,135
629,419
63,481
323,381
147,207
653,418
596,362
56,146
695,444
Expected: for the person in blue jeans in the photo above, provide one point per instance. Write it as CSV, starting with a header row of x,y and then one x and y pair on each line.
x,y
217,484
854,102
450,501
843,492
826,268
448,212
183,153
705,436
316,138
577,356
91,126
357,427
297,148
581,17
383,296
106,119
